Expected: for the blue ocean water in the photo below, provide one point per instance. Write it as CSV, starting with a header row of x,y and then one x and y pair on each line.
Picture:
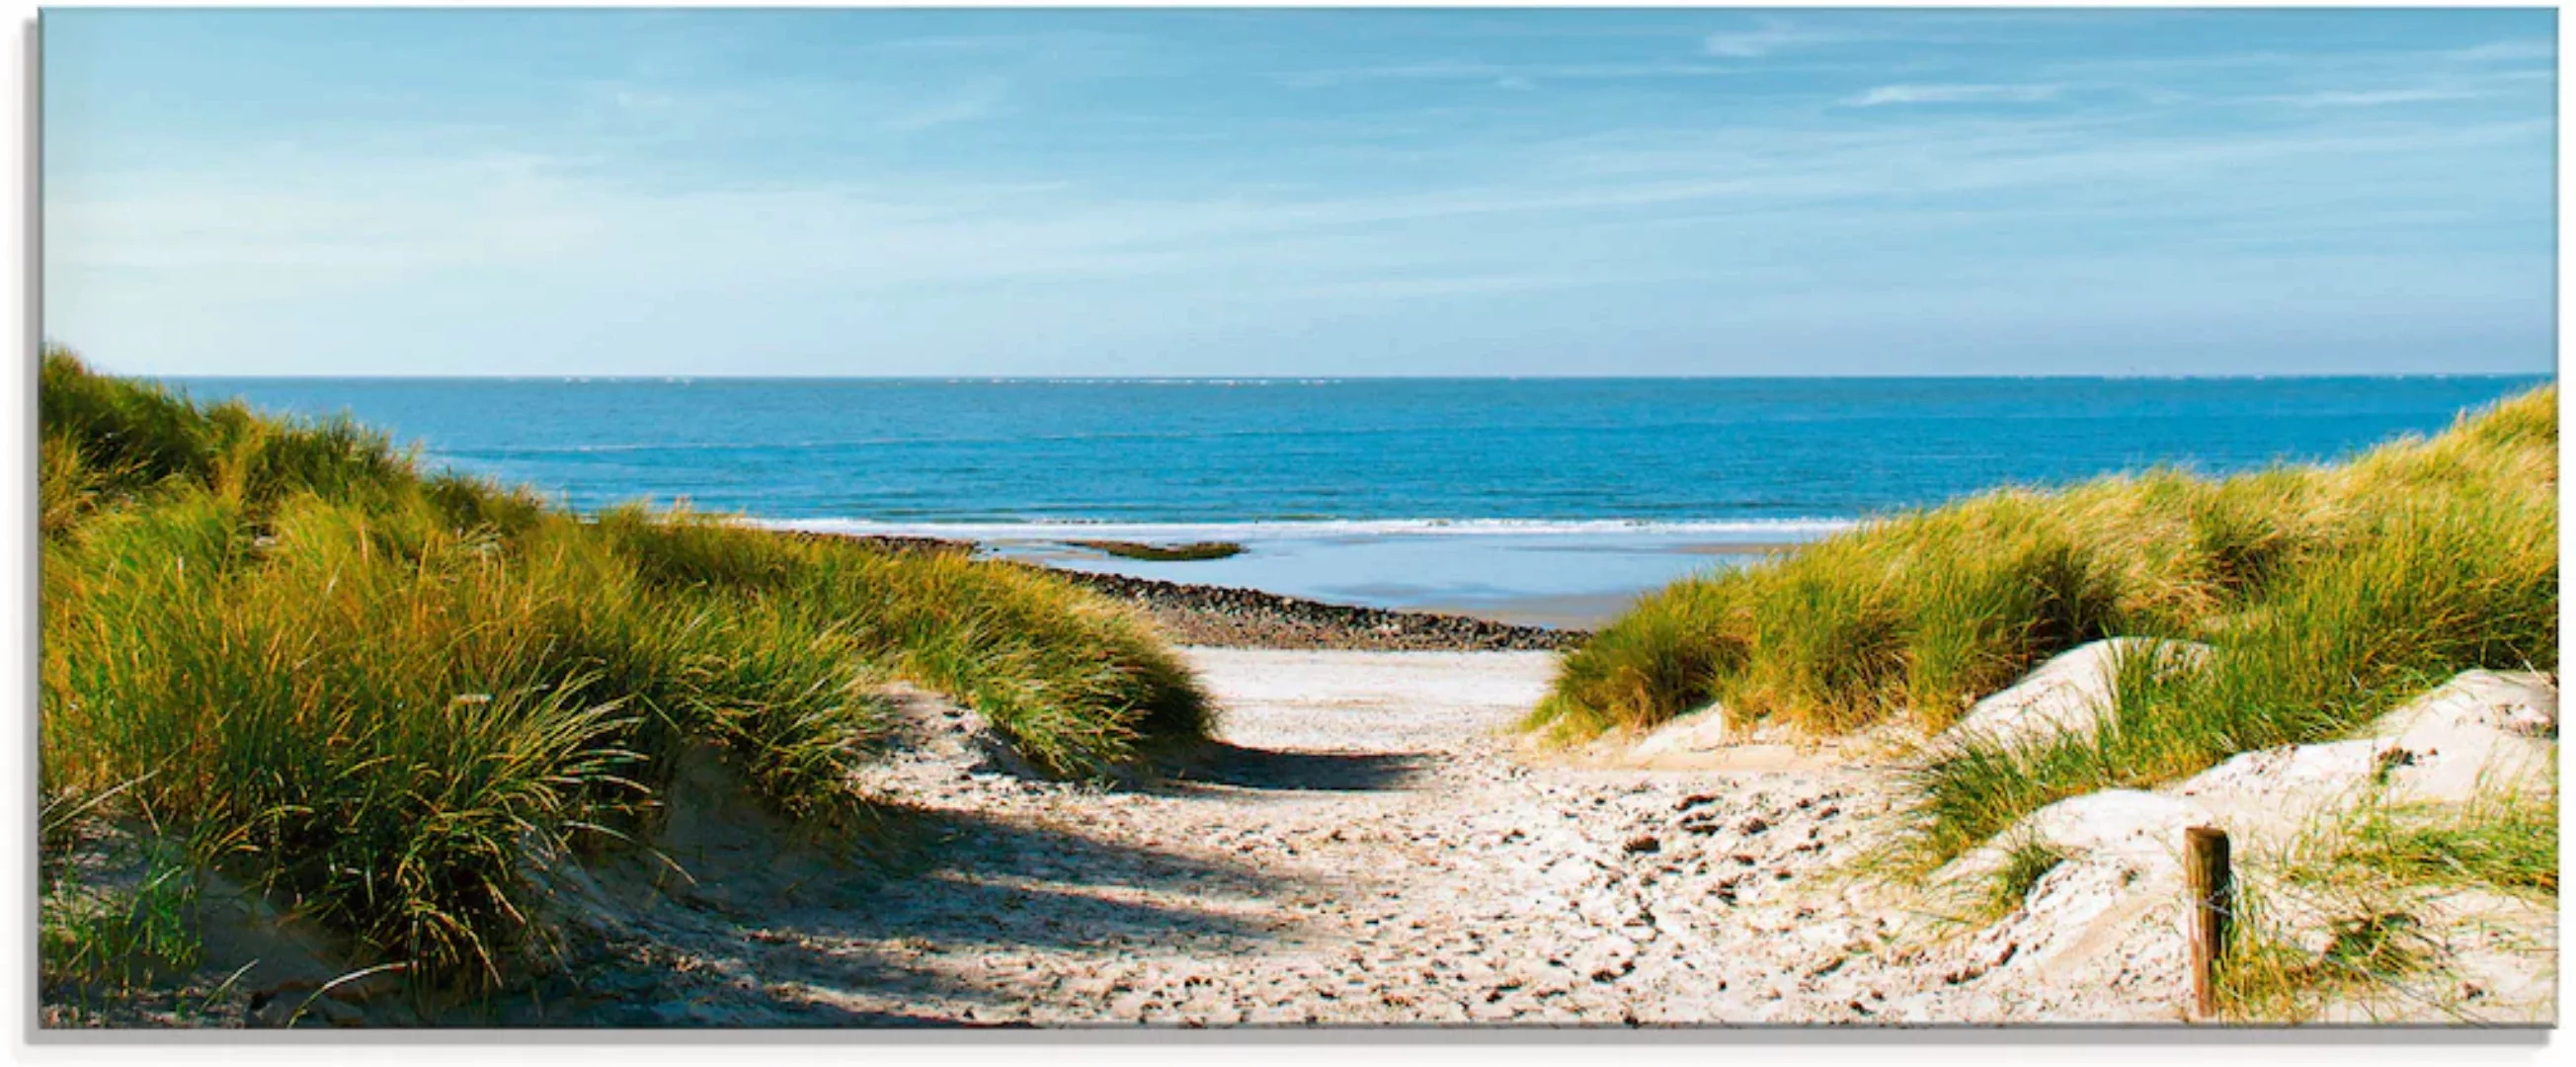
x,y
1461,492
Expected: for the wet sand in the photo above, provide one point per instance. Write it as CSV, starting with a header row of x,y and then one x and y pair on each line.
x,y
1563,578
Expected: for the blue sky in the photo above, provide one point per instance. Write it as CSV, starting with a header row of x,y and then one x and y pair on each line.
x,y
1300,192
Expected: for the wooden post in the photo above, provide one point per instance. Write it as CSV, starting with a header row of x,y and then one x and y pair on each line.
x,y
2209,902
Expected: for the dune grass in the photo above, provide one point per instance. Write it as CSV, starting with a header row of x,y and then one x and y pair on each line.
x,y
2028,862
2329,592
388,696
2499,841
2374,947
2369,882
108,937
2514,850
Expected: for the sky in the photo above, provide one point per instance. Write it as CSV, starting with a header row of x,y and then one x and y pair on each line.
x,y
1281,192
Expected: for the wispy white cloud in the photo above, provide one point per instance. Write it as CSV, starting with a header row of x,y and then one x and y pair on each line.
x,y
401,214
1449,285
2529,48
1525,73
2500,59
953,269
2376,97
1051,42
677,213
1955,94
1773,36
636,111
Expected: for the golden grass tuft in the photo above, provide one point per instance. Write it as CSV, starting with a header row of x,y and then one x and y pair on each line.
x,y
2329,593
387,695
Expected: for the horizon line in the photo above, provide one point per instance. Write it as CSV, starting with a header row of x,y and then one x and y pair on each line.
x,y
1147,379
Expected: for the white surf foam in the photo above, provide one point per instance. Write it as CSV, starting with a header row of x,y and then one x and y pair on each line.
x,y
1712,530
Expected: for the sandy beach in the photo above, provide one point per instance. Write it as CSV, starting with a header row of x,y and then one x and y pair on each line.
x,y
1366,846
1363,847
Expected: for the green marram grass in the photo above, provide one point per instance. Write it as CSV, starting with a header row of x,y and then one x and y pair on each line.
x,y
108,938
2371,879
2372,948
2501,840
2515,849
387,695
2329,594
2025,865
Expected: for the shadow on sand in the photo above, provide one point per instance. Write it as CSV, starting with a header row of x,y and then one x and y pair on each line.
x,y
770,936
1271,770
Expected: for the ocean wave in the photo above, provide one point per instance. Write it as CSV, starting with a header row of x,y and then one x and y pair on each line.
x,y
1714,530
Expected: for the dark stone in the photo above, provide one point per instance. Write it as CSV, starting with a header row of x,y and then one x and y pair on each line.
x,y
1250,618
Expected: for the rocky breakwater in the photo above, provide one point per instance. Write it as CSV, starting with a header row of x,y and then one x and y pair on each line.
x,y
1230,617
1249,618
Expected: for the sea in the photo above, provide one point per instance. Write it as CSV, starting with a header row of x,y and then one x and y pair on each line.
x,y
1551,501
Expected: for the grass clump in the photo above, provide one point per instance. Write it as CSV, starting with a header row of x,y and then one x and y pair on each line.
x,y
2516,852
1653,662
2418,554
391,697
2264,976
1922,612
2364,881
1193,550
2025,864
2431,588
2328,594
103,934
2499,842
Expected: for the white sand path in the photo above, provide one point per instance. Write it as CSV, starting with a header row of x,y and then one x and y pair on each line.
x,y
1363,849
